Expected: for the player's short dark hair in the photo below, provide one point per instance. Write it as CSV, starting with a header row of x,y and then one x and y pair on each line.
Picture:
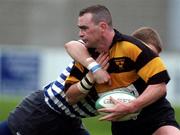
x,y
99,12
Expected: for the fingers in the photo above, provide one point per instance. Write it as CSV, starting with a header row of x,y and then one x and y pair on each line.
x,y
101,76
106,110
106,117
104,60
109,82
110,109
106,66
112,117
102,57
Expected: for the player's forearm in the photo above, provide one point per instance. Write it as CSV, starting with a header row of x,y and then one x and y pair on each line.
x,y
79,53
78,91
149,96
73,94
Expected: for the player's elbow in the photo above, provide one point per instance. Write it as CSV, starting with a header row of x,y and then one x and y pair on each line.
x,y
70,100
73,95
163,89
68,45
74,99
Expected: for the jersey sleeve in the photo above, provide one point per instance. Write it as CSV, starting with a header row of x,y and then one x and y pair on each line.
x,y
150,67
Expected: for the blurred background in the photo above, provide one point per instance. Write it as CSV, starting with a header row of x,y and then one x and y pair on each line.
x,y
33,34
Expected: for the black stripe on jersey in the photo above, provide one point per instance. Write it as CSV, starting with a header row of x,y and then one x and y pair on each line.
x,y
140,85
121,37
93,94
144,58
159,78
146,55
117,37
90,102
122,64
84,109
132,40
77,73
92,97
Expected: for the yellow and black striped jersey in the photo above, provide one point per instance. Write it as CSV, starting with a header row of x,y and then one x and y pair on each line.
x,y
131,62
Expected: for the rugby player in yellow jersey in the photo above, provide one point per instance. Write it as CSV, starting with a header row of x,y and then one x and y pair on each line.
x,y
131,62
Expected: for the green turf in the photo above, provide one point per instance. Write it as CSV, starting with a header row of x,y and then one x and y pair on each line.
x,y
95,127
7,104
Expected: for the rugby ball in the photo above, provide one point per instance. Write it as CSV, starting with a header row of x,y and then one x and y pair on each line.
x,y
123,96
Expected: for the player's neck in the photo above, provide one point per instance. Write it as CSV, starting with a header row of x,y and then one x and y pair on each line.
x,y
106,42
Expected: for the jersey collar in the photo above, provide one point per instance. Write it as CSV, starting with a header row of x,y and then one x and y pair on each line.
x,y
117,37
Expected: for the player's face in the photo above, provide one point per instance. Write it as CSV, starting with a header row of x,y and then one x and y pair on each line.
x,y
89,31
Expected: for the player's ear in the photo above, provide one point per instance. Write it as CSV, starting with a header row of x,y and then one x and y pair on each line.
x,y
103,26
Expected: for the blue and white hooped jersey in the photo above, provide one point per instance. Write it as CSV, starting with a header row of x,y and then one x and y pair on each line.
x,y
55,98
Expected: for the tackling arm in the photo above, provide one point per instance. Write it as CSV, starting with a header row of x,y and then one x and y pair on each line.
x,y
79,90
79,52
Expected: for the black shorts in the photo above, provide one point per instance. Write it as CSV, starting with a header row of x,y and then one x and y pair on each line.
x,y
149,120
34,117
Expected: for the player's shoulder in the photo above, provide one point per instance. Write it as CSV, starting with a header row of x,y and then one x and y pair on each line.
x,y
134,44
132,40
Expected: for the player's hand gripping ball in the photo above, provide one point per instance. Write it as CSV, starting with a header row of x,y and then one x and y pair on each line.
x,y
105,102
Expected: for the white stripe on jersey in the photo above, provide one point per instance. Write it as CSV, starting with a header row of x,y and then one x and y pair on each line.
x,y
58,90
88,107
59,104
80,110
76,108
60,80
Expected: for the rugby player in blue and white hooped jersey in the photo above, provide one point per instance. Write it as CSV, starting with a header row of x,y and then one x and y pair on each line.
x,y
55,96
49,112
34,117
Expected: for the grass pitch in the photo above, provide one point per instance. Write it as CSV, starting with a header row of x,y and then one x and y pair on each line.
x,y
95,127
